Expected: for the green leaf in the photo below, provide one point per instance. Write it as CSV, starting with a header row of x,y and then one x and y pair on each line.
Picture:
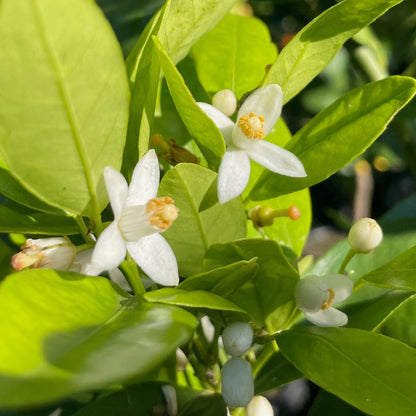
x,y
310,51
36,223
135,400
143,71
371,314
223,281
241,47
399,273
370,371
202,221
187,20
80,322
12,189
73,122
204,131
326,404
6,254
206,404
269,296
275,373
192,299
339,133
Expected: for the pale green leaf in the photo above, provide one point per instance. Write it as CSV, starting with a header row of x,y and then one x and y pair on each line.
x,y
370,371
64,100
310,51
204,131
59,328
202,221
234,55
339,133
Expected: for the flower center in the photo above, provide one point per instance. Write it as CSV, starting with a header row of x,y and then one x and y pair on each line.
x,y
252,126
328,302
163,212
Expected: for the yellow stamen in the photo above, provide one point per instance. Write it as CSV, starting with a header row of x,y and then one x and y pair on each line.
x,y
327,304
163,212
252,126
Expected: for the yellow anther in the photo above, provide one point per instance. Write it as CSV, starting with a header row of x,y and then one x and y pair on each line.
x,y
163,212
328,303
252,126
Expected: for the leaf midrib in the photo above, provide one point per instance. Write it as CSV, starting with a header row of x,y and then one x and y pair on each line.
x,y
66,101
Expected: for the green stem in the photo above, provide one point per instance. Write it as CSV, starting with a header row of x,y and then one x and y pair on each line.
x,y
359,283
84,229
351,253
129,269
83,247
269,349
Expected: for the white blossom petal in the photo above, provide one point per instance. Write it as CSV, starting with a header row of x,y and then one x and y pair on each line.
x,y
156,258
145,180
327,317
340,284
109,250
224,123
118,277
117,189
276,159
309,294
267,102
233,175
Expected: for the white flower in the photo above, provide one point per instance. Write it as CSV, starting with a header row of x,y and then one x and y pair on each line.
x,y
45,253
256,117
315,296
365,235
259,406
139,218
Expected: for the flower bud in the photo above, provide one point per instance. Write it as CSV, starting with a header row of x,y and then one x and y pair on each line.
x,y
237,338
365,235
225,101
237,387
259,406
263,216
46,253
171,400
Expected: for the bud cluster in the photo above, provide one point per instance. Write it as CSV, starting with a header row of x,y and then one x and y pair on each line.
x,y
237,377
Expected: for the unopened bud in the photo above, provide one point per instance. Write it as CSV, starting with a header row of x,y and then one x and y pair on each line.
x,y
237,338
171,400
225,101
365,235
237,387
263,216
46,253
259,406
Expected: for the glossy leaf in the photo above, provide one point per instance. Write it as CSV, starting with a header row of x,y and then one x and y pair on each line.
x,y
12,189
371,314
241,47
192,299
204,131
311,50
339,133
269,296
6,254
135,400
81,322
36,223
223,281
187,20
202,221
345,362
73,122
326,404
143,71
399,273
